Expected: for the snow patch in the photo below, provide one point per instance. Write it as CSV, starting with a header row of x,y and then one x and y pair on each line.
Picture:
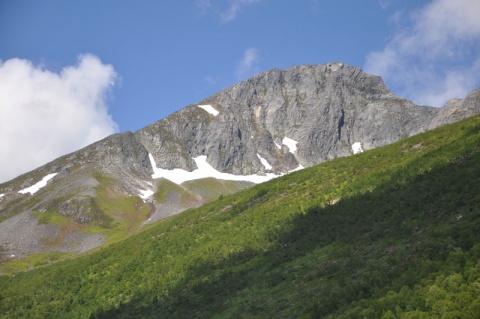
x,y
277,145
35,188
1,195
357,148
264,162
144,194
291,144
300,167
204,170
209,109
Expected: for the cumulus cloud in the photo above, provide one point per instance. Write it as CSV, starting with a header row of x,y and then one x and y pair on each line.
x,y
436,57
44,114
248,66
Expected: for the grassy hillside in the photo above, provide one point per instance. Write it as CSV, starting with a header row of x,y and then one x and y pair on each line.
x,y
390,233
104,214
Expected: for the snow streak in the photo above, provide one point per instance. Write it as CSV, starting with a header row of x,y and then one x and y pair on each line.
x,y
35,188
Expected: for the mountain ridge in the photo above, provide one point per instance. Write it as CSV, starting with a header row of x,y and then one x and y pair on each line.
x,y
266,126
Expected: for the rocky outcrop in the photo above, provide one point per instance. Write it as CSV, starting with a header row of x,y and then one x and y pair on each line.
x,y
275,122
457,109
271,123
325,108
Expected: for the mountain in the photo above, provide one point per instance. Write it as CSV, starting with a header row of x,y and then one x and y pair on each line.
x,y
272,124
390,233
323,109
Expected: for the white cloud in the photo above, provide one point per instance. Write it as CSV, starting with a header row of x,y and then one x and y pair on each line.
x,y
236,6
226,15
248,66
437,57
203,6
44,114
210,80
385,4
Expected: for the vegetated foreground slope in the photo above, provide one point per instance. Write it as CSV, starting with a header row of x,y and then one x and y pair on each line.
x,y
389,233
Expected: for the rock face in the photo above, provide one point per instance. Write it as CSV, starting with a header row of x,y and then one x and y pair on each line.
x,y
325,108
457,109
273,123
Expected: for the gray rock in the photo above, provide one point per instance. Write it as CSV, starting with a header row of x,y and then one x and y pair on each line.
x,y
324,108
457,109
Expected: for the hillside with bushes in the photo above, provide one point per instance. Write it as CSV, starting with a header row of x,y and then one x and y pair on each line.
x,y
390,233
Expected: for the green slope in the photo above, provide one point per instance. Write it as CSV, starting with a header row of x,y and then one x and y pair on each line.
x,y
390,233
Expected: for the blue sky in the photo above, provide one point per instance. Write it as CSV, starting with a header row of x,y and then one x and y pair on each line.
x,y
73,72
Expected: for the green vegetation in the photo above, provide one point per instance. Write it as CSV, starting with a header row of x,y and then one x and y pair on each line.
x,y
186,198
211,189
32,261
118,215
389,233
196,192
110,213
7,211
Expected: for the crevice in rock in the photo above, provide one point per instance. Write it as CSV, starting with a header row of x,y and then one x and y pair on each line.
x,y
340,124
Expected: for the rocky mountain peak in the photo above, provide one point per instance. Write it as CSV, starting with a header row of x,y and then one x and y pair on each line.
x,y
271,124
325,109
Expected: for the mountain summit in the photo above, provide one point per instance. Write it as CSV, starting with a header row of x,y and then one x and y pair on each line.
x,y
274,123
300,116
